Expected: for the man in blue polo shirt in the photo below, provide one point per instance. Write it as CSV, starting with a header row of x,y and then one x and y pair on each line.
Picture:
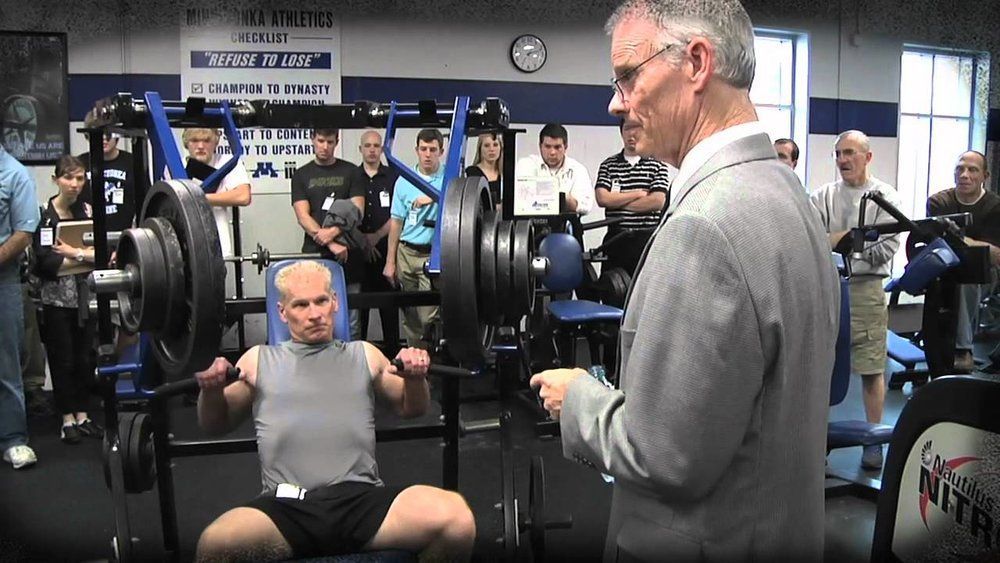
x,y
18,219
410,238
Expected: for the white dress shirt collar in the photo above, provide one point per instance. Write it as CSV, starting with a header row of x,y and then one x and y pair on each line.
x,y
709,146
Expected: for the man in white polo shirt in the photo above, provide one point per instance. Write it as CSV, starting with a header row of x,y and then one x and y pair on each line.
x,y
571,177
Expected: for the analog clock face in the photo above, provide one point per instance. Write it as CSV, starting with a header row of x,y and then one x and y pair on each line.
x,y
528,53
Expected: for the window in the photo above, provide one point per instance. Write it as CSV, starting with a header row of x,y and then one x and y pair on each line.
x,y
779,87
942,113
774,83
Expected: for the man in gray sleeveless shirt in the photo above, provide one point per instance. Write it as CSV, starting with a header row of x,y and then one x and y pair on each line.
x,y
312,401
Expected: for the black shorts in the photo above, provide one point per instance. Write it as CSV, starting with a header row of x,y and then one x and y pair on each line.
x,y
337,519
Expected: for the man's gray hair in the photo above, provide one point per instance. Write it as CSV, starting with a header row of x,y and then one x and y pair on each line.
x,y
723,22
856,135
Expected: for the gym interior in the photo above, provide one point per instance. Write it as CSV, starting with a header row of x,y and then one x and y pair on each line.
x,y
918,79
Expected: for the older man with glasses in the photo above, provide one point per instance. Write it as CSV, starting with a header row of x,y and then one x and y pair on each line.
x,y
716,435
838,204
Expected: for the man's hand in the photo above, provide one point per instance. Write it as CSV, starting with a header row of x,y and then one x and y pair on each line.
x,y
325,236
415,364
389,272
422,201
373,239
551,385
214,378
339,251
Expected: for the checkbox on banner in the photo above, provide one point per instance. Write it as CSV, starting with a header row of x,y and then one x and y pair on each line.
x,y
197,88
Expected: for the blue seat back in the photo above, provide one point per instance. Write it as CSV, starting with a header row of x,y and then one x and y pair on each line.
x,y
841,377
928,265
565,262
277,331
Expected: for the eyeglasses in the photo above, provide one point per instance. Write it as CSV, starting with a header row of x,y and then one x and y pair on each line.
x,y
846,153
628,76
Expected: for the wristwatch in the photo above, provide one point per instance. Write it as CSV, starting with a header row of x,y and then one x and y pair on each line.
x,y
79,256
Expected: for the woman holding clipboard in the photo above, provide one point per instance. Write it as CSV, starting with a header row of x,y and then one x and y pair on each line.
x,y
62,262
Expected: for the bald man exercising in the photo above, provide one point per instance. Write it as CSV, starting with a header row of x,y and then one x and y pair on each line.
x,y
312,401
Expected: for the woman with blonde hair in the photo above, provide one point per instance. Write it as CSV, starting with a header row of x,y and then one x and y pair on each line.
x,y
489,162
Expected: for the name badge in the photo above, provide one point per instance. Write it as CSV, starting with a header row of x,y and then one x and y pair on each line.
x,y
118,196
383,197
46,235
412,219
616,186
328,202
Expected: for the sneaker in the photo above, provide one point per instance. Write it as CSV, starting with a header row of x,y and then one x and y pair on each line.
x,y
70,434
871,457
20,456
90,429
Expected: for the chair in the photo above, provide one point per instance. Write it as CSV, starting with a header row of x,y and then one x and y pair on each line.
x,y
277,332
908,355
849,433
574,318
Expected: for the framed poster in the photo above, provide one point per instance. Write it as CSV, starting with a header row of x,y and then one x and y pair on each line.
x,y
34,97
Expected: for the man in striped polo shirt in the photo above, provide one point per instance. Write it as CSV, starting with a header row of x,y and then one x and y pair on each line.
x,y
637,189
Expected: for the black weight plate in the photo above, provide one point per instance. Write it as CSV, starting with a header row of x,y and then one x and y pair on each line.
x,y
460,226
452,300
142,308
174,271
475,200
125,424
505,293
536,507
140,459
524,280
488,302
616,282
194,345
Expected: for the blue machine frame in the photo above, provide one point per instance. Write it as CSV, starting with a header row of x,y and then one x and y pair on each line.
x,y
167,157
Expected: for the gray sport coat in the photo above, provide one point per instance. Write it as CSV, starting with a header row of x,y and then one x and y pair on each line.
x,y
717,433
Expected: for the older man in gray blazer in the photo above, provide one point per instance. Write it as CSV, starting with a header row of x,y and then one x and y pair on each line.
x,y
717,435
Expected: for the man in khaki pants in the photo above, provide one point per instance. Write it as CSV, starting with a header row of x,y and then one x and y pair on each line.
x,y
838,204
410,238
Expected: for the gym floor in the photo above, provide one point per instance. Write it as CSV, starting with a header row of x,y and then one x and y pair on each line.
x,y
61,510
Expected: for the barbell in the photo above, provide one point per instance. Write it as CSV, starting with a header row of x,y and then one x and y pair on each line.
x,y
170,275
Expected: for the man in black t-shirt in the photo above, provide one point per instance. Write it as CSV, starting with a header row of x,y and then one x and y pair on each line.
x,y
970,196
380,181
315,187
119,185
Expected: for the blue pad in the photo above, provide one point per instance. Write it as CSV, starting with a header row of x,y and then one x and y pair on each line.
x,y
277,331
582,312
565,262
928,265
903,351
848,433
